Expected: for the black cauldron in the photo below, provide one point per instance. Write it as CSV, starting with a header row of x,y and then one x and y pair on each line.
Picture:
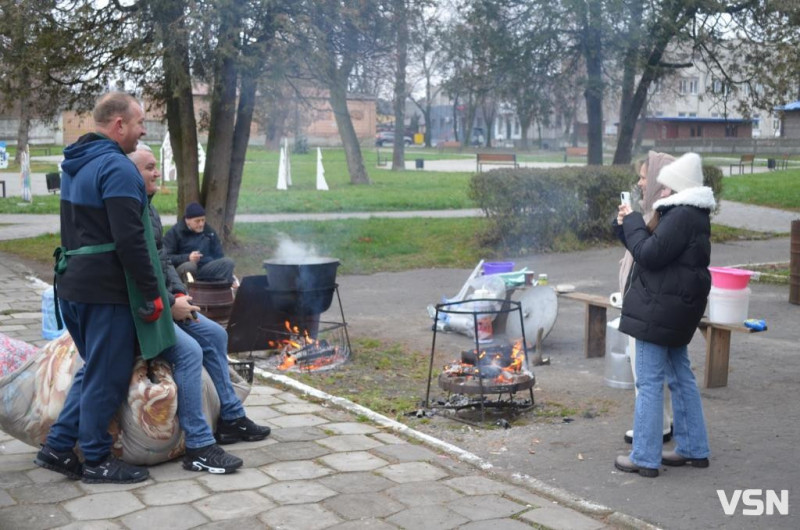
x,y
302,286
301,274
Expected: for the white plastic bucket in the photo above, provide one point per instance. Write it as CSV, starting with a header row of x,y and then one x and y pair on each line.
x,y
728,306
618,372
50,329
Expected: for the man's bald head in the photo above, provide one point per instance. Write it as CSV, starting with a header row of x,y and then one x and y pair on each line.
x,y
147,165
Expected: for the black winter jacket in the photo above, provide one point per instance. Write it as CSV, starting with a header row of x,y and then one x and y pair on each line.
x,y
180,241
668,287
171,276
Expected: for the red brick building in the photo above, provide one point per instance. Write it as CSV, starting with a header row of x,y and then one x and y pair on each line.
x,y
661,128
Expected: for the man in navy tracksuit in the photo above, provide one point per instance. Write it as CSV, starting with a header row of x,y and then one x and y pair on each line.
x,y
102,201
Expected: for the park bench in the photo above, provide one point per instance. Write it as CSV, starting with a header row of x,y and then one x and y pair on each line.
x,y
718,346
718,337
495,159
743,161
450,145
382,159
575,151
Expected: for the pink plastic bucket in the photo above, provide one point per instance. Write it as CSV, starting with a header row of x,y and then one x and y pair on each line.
x,y
728,278
497,267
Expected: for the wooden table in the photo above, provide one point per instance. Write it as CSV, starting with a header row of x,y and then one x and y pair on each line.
x,y
718,337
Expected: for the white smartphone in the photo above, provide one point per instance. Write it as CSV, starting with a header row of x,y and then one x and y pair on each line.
x,y
625,198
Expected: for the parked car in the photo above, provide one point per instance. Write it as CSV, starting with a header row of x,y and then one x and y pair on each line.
x,y
387,137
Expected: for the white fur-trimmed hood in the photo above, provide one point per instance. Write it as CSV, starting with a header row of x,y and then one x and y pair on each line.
x,y
700,197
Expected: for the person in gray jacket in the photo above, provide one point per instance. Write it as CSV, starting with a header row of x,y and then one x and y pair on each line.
x,y
193,247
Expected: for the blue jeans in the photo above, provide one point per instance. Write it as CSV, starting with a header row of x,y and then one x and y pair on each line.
x,y
653,364
105,337
201,343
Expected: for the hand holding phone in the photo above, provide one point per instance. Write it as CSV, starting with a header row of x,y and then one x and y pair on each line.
x,y
625,198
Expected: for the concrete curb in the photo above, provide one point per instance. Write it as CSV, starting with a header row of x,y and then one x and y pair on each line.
x,y
561,496
758,276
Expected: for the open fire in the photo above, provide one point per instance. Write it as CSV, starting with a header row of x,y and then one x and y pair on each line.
x,y
297,350
493,369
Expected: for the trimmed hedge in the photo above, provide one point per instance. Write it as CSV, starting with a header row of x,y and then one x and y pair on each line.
x,y
533,209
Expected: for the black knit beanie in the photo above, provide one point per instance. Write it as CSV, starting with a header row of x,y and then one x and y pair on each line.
x,y
194,210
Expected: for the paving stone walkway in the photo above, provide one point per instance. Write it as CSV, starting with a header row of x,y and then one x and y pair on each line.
x,y
321,468
326,466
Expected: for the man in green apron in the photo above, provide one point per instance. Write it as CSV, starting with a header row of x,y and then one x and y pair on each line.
x,y
200,343
110,292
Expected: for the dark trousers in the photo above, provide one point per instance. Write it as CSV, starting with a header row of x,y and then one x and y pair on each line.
x,y
214,271
106,338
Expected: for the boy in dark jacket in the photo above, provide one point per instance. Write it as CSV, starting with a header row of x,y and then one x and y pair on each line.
x,y
193,247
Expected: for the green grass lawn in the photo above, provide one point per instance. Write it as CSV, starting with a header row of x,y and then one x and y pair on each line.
x,y
390,190
394,191
777,189
364,246
372,245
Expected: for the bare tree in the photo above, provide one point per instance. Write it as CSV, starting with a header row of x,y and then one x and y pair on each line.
x,y
427,58
470,45
55,57
401,52
531,49
172,29
332,38
744,44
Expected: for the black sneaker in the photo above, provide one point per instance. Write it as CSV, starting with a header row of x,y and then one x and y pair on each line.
x,y
211,458
114,471
243,428
64,462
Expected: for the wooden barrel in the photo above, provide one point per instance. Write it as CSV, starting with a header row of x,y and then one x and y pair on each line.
x,y
794,264
215,299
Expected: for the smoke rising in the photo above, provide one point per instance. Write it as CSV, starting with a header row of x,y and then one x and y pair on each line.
x,y
291,250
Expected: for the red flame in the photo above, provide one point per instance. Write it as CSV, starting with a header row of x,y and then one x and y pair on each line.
x,y
507,373
299,342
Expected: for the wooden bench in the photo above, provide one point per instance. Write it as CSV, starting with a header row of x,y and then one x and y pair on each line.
x,y
495,159
450,145
718,347
743,161
575,151
594,329
718,337
382,160
779,162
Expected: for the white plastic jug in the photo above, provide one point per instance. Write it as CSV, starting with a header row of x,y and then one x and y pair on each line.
x,y
484,329
50,329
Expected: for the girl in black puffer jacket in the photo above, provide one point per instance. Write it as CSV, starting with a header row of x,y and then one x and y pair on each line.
x,y
664,300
